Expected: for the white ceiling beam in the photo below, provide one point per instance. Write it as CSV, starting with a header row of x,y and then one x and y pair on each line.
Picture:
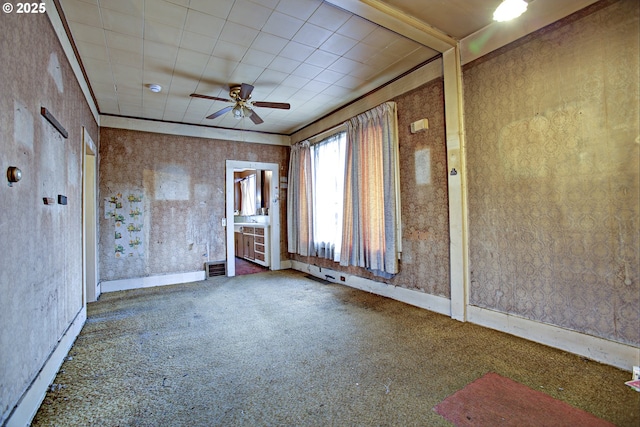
x,y
398,22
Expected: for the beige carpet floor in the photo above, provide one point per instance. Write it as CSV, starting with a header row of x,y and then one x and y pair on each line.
x,y
278,349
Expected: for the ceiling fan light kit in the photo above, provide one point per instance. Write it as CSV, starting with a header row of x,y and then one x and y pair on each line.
x,y
240,95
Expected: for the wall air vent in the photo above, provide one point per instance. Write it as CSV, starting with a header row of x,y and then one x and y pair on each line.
x,y
215,268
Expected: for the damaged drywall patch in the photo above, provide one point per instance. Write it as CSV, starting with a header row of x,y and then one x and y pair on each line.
x,y
172,182
55,72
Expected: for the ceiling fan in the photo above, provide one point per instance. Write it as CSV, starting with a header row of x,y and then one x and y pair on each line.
x,y
240,95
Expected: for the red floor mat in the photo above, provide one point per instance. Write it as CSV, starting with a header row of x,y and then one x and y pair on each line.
x,y
493,400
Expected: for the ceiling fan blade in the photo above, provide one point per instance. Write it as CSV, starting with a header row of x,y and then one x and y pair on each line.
x,y
280,105
214,98
245,91
255,118
219,113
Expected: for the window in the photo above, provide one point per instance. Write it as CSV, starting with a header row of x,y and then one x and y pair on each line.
x,y
327,168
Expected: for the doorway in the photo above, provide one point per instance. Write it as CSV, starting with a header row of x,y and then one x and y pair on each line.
x,y
274,211
91,286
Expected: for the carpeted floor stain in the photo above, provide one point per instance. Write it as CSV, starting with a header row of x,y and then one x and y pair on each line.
x,y
276,348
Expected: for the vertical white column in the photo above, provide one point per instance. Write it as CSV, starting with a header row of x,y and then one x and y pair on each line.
x,y
458,230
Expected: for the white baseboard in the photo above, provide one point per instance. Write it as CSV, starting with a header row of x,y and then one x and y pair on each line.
x,y
419,299
621,356
151,281
285,264
32,398
612,353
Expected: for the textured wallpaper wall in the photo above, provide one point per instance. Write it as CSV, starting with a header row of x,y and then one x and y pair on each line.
x,y
423,192
552,153
41,266
172,194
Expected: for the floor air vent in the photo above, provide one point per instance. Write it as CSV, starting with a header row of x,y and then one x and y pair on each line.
x,y
215,268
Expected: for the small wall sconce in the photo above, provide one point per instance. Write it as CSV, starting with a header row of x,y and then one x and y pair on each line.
x,y
13,175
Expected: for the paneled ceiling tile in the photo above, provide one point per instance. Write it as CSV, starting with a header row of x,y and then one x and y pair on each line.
x,y
99,70
219,71
296,51
304,94
122,23
337,91
149,100
160,51
122,57
338,44
257,57
156,65
191,62
219,8
160,33
271,4
282,25
129,7
131,100
350,82
91,50
184,3
357,28
202,23
108,106
322,59
126,75
87,33
366,72
162,79
307,70
131,110
246,73
302,9
177,102
238,34
329,17
381,38
295,81
380,60
361,52
173,116
284,65
270,78
269,43
403,47
312,35
329,76
283,93
166,13
316,86
82,12
104,89
198,42
229,51
249,14
344,65
123,42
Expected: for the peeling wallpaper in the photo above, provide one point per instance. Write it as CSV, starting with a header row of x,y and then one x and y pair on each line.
x,y
41,267
181,181
552,141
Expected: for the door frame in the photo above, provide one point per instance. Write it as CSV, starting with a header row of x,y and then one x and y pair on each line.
x,y
274,212
90,284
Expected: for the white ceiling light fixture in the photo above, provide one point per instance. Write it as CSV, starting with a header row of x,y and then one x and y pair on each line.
x,y
509,9
155,88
